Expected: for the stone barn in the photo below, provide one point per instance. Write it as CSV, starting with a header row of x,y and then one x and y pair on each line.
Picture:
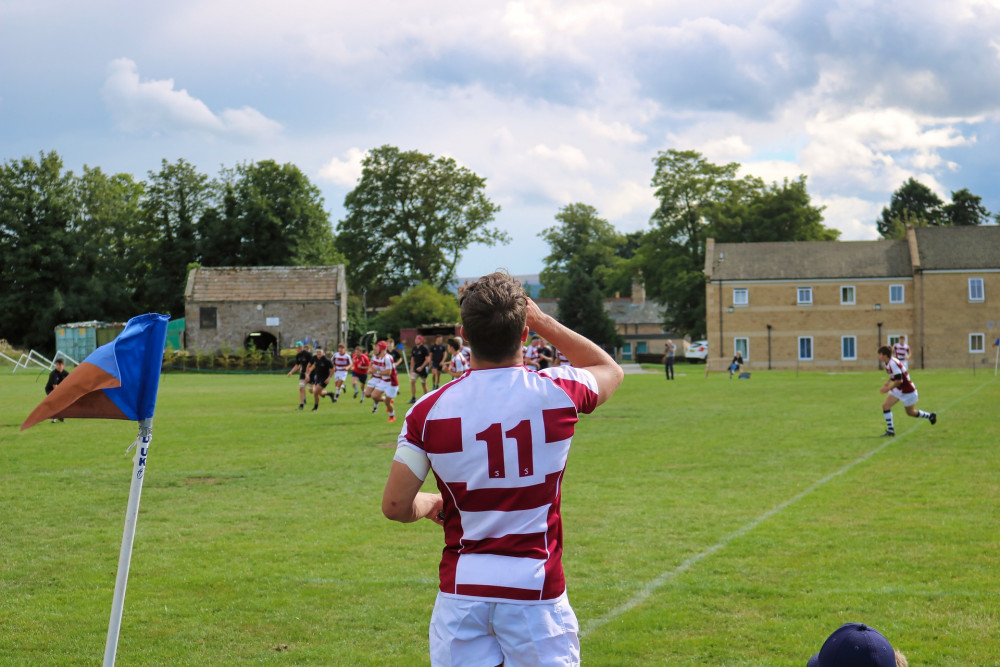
x,y
265,307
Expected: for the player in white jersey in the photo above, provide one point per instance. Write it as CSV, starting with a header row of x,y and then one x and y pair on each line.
x,y
458,363
342,365
901,352
497,440
899,389
381,385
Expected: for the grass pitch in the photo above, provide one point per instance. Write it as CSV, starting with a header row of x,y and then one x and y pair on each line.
x,y
708,522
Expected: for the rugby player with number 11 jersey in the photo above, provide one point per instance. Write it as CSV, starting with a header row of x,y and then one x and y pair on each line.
x,y
497,439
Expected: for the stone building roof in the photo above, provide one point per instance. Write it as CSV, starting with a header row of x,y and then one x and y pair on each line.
x,y
958,248
264,283
808,260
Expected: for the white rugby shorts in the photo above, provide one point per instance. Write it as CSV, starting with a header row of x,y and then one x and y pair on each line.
x,y
473,633
339,376
906,399
389,390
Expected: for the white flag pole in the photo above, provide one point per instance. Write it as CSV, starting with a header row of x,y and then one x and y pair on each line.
x,y
996,358
125,557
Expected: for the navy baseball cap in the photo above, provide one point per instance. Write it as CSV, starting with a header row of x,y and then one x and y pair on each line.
x,y
855,645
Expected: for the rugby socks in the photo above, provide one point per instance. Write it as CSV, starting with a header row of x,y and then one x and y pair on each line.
x,y
888,421
923,415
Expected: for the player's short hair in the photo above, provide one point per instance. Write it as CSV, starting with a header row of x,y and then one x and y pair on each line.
x,y
885,351
494,310
59,361
455,343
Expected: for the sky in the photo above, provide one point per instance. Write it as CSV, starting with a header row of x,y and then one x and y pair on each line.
x,y
552,102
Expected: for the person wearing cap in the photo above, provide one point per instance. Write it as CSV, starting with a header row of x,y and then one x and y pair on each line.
x,y
303,357
420,359
857,645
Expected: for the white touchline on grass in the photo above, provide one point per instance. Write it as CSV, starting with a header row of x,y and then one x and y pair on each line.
x,y
650,588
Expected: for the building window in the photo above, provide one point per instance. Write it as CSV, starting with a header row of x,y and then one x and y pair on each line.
x,y
976,292
805,348
742,345
897,293
741,296
626,350
805,296
893,339
977,343
208,318
847,295
640,347
848,348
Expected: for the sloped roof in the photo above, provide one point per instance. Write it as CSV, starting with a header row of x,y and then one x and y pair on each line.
x,y
263,283
796,260
969,248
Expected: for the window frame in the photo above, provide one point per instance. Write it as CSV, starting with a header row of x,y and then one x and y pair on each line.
x,y
982,343
854,348
798,296
206,313
902,292
746,346
981,291
627,351
745,291
854,295
812,352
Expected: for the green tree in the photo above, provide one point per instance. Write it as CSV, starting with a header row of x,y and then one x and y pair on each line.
x,y
912,204
581,308
271,215
421,304
176,198
113,241
410,218
582,240
38,249
966,209
756,213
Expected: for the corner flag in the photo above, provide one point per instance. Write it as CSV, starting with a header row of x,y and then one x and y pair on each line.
x,y
118,380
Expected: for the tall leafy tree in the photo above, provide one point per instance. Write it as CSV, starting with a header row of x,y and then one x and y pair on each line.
x,y
581,308
913,203
690,190
38,249
966,209
270,215
176,198
583,240
114,241
410,218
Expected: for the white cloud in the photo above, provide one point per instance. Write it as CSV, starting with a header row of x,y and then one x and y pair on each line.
x,y
344,172
156,106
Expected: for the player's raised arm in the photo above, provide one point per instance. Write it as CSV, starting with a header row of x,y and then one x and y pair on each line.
x,y
579,350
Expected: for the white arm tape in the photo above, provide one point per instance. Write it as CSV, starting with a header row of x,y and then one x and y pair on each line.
x,y
417,462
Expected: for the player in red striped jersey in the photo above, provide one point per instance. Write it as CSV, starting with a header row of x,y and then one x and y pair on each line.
x,y
497,439
899,389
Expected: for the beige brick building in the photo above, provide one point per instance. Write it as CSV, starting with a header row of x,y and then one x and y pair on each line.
x,y
268,307
829,304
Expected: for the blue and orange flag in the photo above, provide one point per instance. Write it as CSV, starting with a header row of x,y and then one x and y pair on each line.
x,y
118,380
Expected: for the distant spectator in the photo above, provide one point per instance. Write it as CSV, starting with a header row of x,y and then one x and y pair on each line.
x,y
669,350
56,377
857,645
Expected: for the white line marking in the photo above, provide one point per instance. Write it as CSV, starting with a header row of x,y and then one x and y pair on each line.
x,y
647,591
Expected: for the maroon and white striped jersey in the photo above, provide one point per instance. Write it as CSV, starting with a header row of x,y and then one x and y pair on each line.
x,y
901,352
341,362
896,367
497,440
381,367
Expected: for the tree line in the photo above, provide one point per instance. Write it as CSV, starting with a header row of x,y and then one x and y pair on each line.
x,y
96,245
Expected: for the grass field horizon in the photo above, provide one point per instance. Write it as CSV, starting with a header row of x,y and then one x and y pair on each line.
x,y
708,521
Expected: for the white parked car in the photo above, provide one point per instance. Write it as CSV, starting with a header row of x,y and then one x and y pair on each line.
x,y
697,351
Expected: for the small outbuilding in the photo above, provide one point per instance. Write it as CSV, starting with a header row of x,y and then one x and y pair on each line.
x,y
265,307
